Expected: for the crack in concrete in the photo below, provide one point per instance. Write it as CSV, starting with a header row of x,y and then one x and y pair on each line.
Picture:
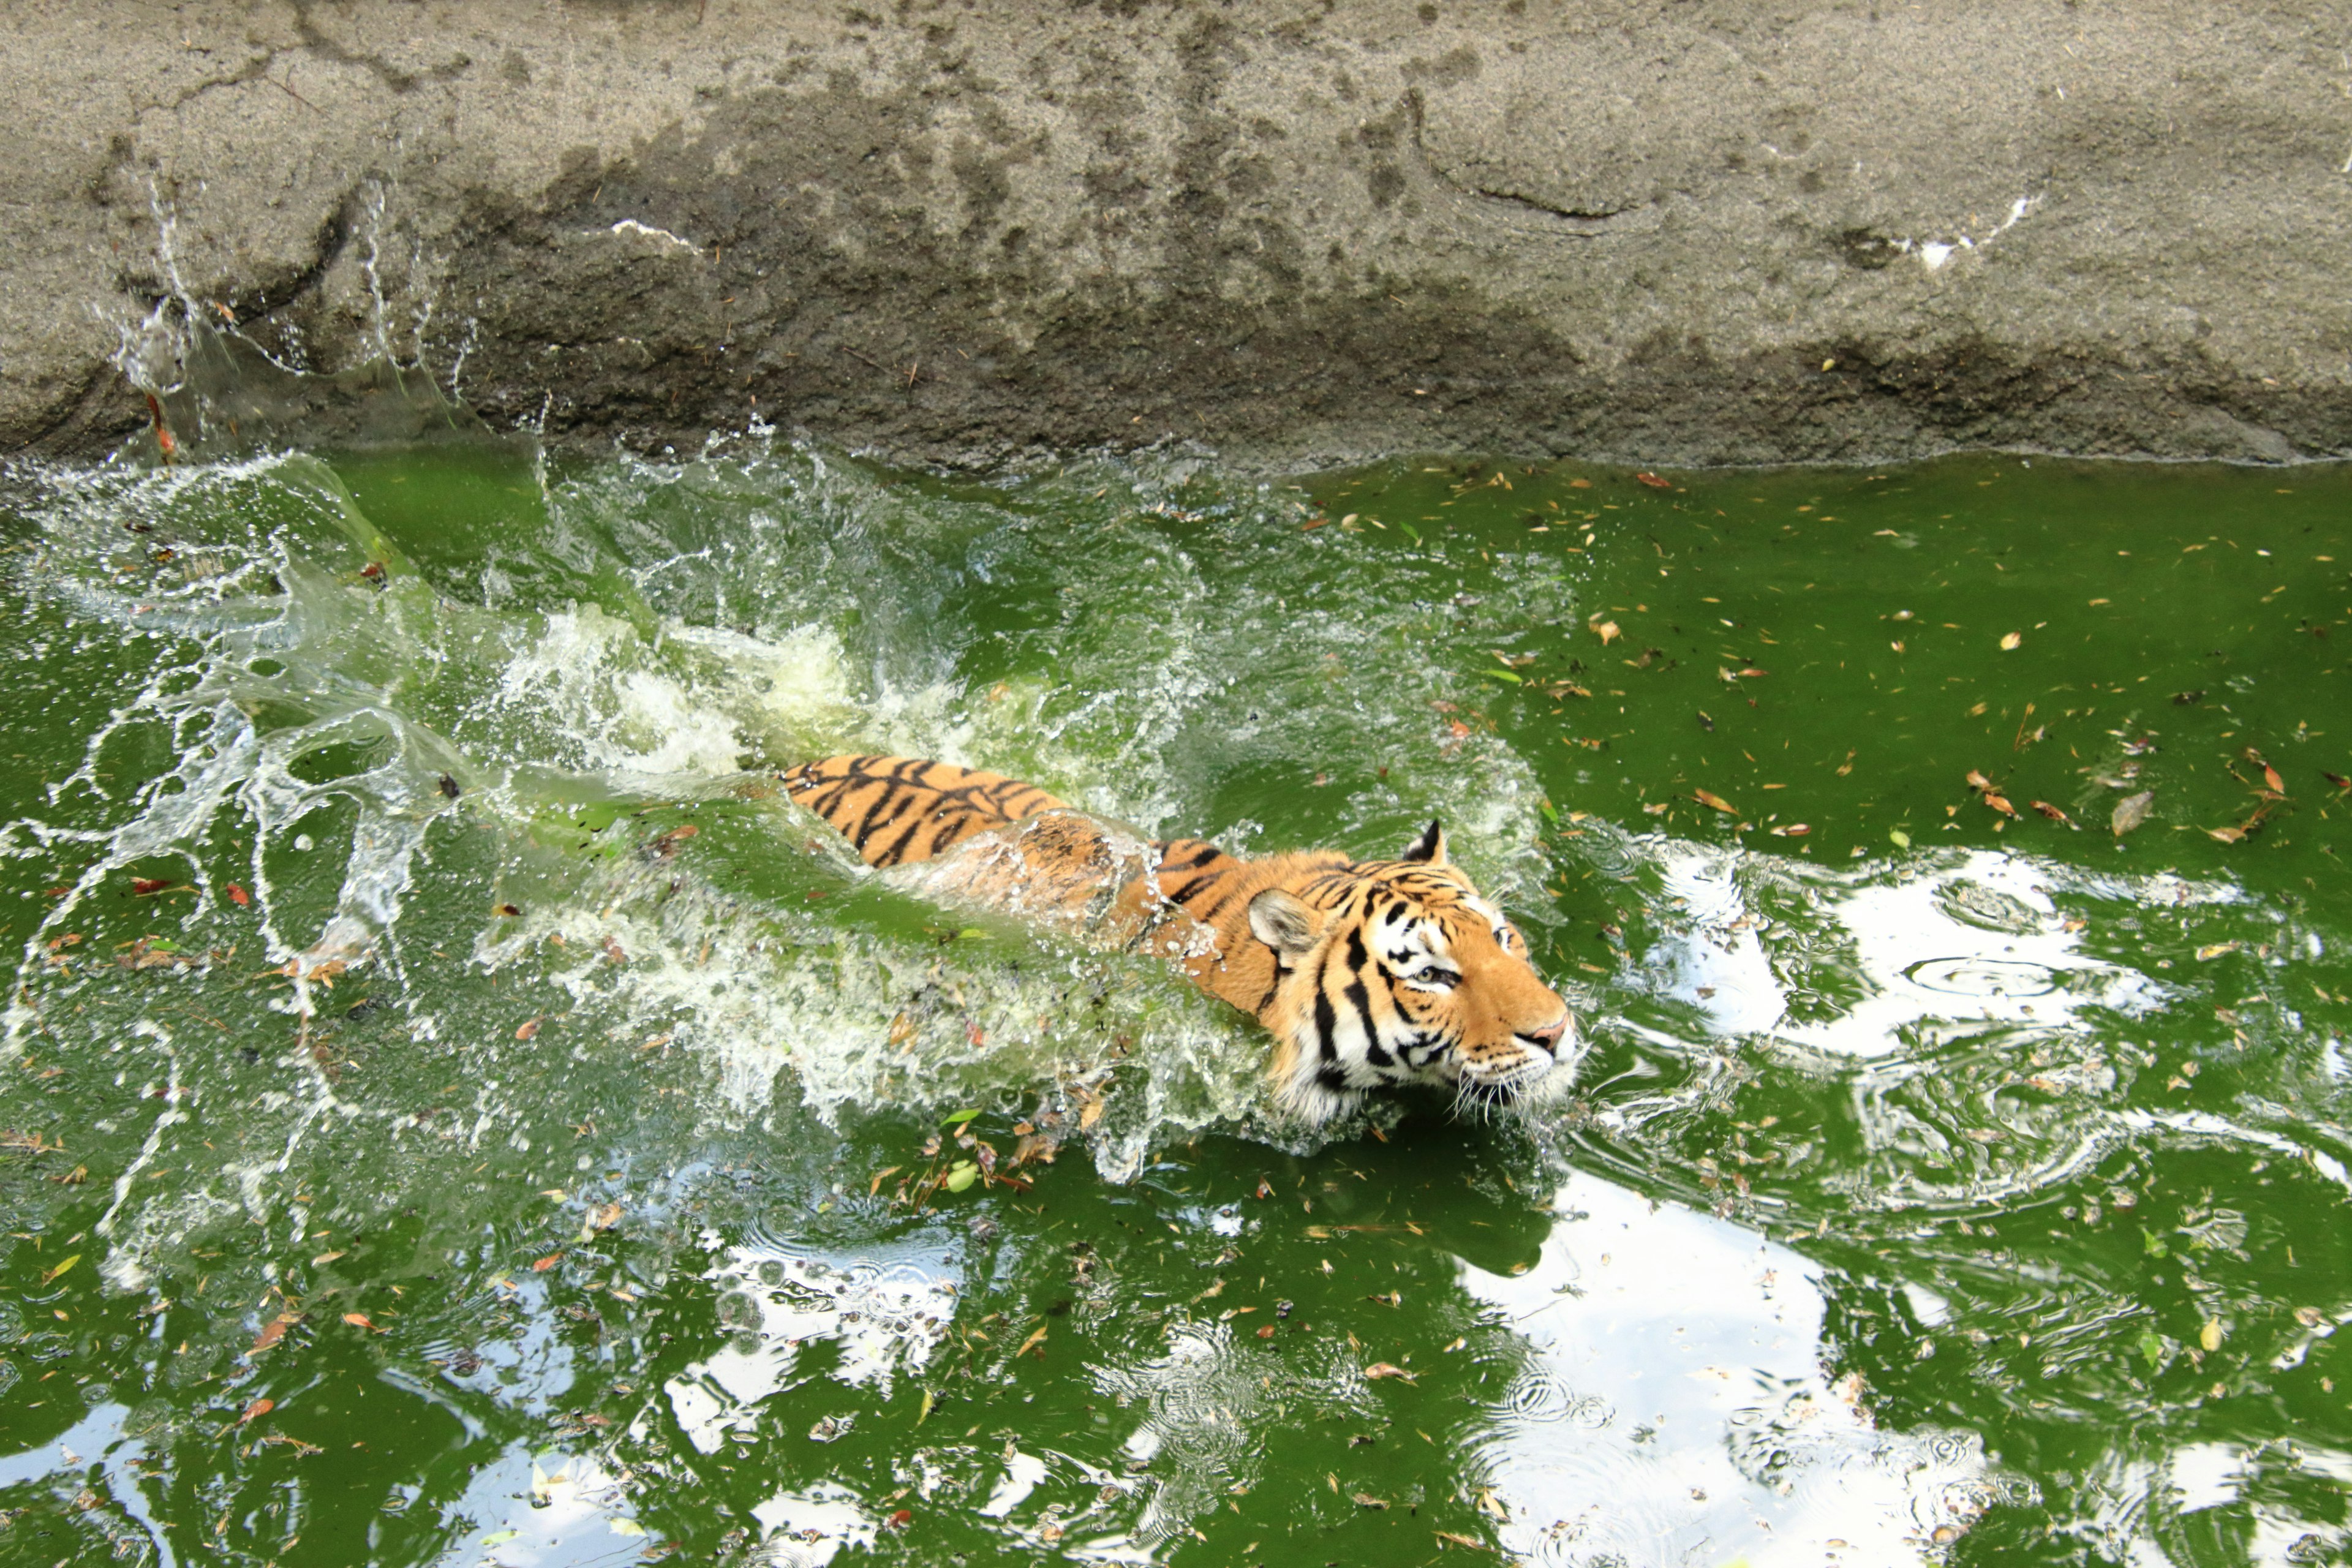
x,y
326,47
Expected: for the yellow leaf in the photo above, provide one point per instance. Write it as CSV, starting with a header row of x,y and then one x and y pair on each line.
x,y
2010,641
1608,632
2209,1336
1708,797
1036,1337
61,1268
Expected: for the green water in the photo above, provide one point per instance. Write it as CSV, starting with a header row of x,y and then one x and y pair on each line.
x,y
421,1149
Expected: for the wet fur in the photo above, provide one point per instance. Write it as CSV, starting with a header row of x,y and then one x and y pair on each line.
x,y
1368,974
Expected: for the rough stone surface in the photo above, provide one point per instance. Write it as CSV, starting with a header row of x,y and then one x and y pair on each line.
x,y
1669,232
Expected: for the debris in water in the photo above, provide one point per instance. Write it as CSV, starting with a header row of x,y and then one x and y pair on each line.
x,y
2130,812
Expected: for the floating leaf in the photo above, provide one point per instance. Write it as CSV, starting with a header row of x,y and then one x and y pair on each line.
x,y
962,1174
2049,811
1365,1499
542,1265
2152,1345
1792,830
2209,1336
2227,835
1655,483
2216,950
1501,675
2271,777
2011,641
2130,812
359,1321
526,1029
2000,803
1978,781
255,1410
1381,1369
959,1118
70,1260
238,895
500,1537
1900,839
1708,797
1036,1337
274,1331
1608,632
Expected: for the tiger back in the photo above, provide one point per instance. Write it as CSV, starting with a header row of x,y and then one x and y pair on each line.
x,y
1367,973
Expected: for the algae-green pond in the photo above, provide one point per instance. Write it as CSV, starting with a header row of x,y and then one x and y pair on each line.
x,y
456,1112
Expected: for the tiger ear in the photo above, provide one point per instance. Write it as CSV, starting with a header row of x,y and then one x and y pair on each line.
x,y
1284,922
1429,848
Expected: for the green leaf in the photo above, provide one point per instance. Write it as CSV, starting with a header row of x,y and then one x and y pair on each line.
x,y
61,1268
960,1118
2153,1346
1900,839
500,1537
971,933
962,1174
2155,1244
1551,812
1502,675
1410,528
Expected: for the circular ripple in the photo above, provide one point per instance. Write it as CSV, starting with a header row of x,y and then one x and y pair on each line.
x,y
1538,1394
1981,977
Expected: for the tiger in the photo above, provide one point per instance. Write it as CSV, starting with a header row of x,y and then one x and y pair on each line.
x,y
1369,974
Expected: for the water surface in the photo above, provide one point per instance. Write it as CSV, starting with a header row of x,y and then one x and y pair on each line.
x,y
459,1113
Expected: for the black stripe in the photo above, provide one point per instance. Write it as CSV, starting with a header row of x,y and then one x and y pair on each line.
x,y
825,804
898,800
1198,886
1208,852
890,857
1326,1022
1280,969
1374,1052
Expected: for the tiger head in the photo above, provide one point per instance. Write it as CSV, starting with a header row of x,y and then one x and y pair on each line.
x,y
1397,971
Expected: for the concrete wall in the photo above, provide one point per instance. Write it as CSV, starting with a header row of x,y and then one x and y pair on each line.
x,y
961,229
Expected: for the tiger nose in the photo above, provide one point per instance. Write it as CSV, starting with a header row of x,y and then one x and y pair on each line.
x,y
1548,1035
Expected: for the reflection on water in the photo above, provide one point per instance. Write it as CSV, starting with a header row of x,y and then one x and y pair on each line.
x,y
1672,1405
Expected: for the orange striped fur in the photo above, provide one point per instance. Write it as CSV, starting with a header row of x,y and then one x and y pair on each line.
x,y
1367,973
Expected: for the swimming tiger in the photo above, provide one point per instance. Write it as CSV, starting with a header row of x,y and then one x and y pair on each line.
x,y
1367,973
